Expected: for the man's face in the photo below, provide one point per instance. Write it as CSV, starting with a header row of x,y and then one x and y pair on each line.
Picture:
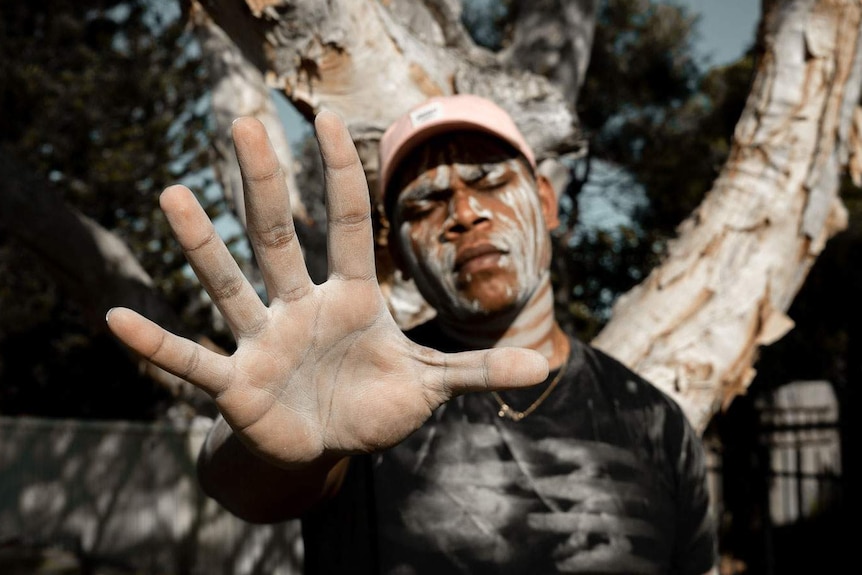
x,y
469,226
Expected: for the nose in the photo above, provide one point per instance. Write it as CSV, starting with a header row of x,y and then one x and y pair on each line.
x,y
463,215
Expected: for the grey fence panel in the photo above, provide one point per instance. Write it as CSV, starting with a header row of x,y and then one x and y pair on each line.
x,y
125,494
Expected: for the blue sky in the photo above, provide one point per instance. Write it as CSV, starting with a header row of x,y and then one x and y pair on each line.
x,y
726,27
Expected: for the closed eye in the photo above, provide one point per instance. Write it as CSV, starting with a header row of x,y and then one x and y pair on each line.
x,y
420,205
492,182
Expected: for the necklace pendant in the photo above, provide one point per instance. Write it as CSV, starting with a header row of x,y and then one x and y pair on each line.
x,y
507,412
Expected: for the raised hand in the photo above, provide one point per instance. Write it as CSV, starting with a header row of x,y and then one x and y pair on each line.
x,y
320,369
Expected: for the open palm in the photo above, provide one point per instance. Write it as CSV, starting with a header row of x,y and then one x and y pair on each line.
x,y
320,369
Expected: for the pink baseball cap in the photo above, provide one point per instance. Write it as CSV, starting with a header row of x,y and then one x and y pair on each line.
x,y
445,114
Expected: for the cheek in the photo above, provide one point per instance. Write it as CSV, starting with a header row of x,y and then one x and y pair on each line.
x,y
523,216
479,209
525,232
420,248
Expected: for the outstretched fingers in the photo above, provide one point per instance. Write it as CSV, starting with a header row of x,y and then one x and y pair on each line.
x,y
212,262
350,238
179,356
269,220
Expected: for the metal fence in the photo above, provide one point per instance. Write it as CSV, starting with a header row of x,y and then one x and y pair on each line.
x,y
777,483
799,427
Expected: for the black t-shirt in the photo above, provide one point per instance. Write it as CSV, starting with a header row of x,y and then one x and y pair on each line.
x,y
605,476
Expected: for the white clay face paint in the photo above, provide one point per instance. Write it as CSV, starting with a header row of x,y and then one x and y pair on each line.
x,y
433,275
530,250
515,226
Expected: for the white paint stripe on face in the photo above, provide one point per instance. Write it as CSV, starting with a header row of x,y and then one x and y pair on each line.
x,y
477,208
529,224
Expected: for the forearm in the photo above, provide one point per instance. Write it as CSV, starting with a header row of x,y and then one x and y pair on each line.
x,y
258,491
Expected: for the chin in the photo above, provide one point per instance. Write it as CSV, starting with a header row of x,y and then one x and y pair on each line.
x,y
487,296
473,307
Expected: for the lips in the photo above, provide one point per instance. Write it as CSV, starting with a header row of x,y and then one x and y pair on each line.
x,y
476,257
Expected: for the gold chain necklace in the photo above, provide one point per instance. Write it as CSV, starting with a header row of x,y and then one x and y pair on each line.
x,y
507,411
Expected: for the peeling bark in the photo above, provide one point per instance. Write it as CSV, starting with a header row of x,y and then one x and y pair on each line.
x,y
554,38
742,257
371,60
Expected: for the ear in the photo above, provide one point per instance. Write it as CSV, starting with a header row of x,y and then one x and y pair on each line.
x,y
548,198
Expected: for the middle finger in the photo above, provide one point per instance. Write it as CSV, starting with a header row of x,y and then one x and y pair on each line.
x,y
269,220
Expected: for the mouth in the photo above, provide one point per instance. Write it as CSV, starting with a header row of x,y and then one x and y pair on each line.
x,y
475,258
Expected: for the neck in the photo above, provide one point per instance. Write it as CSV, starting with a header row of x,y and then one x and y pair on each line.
x,y
532,326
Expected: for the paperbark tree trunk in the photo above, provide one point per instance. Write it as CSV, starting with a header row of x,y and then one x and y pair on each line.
x,y
695,325
370,60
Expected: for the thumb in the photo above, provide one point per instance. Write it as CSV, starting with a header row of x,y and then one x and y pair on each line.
x,y
493,369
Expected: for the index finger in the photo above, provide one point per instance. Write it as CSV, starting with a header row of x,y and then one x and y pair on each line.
x,y
212,262
350,239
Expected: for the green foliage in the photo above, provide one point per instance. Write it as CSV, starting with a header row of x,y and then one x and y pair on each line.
x,y
105,101
641,63
105,109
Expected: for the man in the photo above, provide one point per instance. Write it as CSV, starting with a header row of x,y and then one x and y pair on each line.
x,y
563,462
